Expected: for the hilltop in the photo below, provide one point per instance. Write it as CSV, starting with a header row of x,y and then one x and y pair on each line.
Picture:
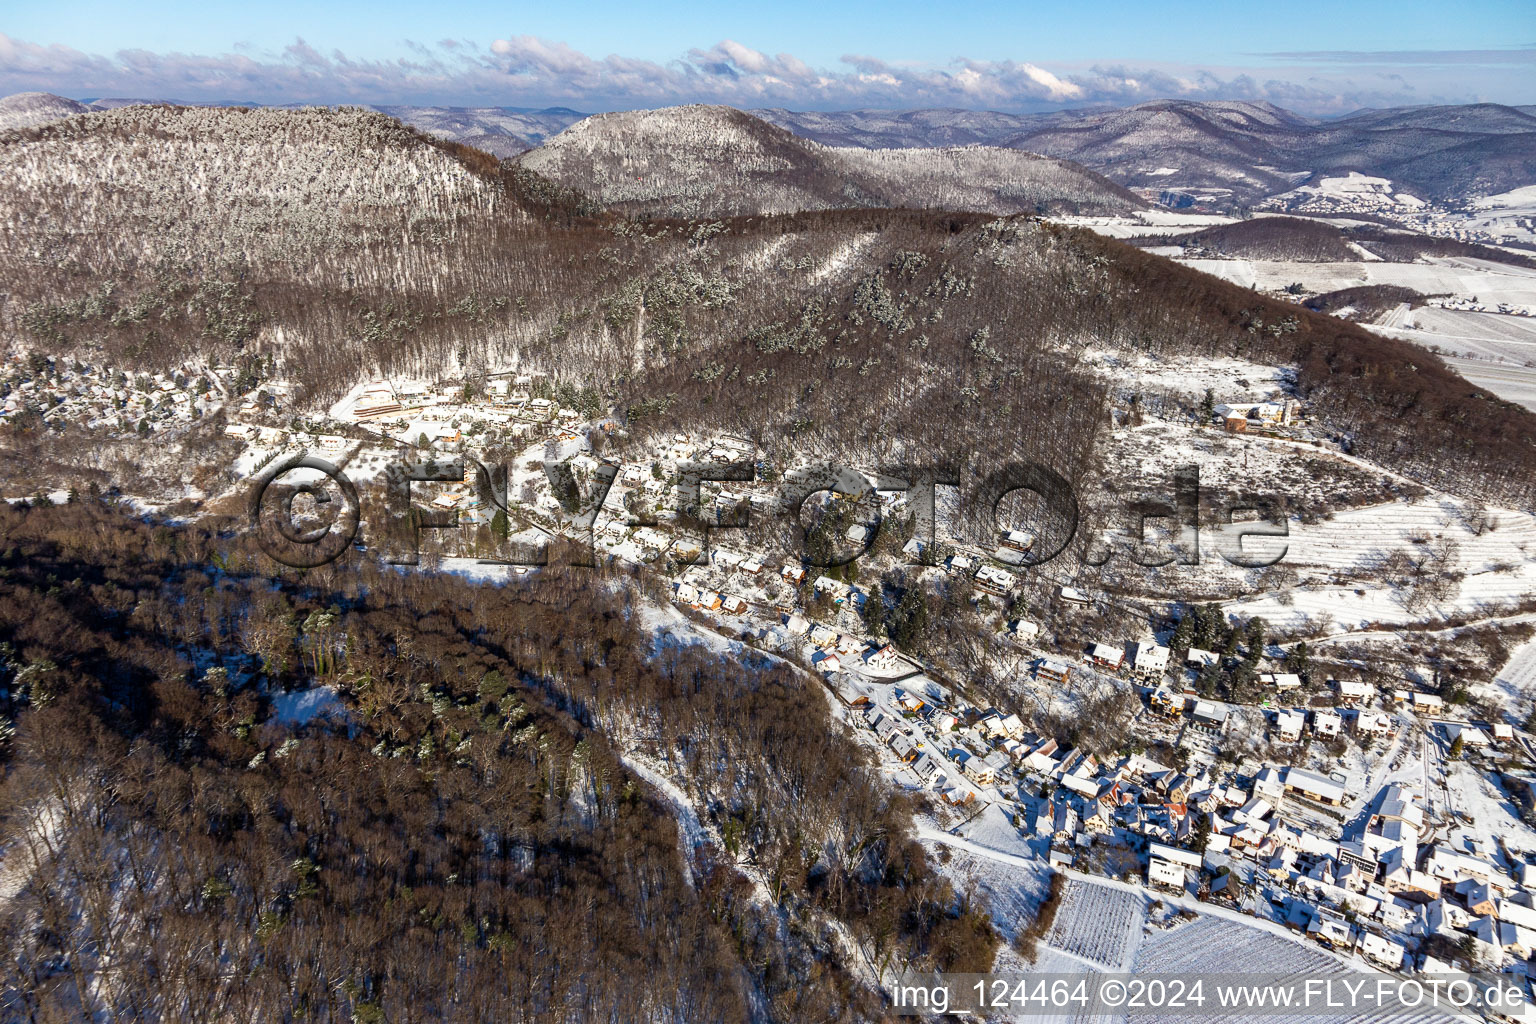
x,y
705,161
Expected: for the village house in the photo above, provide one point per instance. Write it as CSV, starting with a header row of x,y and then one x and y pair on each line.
x,y
1279,413
1197,659
1374,724
821,636
1052,671
1351,692
1150,660
1288,725
1208,717
1314,786
1043,758
1166,703
1282,682
1432,703
1106,655
1072,595
995,581
1326,724
1018,540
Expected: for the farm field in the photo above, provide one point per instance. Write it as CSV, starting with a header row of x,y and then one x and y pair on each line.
x,y
1344,557
1492,350
1462,276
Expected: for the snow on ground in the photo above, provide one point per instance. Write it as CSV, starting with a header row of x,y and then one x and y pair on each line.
x,y
1508,215
303,706
1013,893
1148,222
1230,379
844,255
1470,793
1512,383
1099,923
1342,553
690,831
1492,350
1212,945
1492,283
1518,676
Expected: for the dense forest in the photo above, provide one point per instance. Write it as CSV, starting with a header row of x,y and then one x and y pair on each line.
x,y
457,838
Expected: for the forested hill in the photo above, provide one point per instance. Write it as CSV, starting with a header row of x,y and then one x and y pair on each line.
x,y
339,244
456,837
708,161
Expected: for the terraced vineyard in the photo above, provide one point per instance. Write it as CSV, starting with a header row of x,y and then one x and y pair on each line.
x,y
1213,945
1098,923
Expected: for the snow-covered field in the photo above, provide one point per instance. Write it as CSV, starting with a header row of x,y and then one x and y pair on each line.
x,y
1492,350
1098,923
1214,945
1232,379
1492,283
1500,566
1148,222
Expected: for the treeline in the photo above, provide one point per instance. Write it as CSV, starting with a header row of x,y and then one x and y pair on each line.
x,y
458,839
1368,301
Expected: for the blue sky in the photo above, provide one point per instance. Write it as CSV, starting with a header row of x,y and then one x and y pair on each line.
x,y
1309,55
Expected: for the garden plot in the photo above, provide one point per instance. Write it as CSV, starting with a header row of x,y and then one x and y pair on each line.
x,y
1098,923
1215,945
1012,892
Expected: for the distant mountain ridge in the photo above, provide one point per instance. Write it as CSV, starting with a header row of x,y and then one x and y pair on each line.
x,y
1231,154
25,109
706,161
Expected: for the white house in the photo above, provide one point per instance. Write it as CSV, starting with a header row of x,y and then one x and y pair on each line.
x,y
995,581
1052,671
1382,950
1427,701
1165,872
1197,659
1151,659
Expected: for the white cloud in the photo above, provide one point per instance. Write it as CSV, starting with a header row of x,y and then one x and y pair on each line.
x,y
527,70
